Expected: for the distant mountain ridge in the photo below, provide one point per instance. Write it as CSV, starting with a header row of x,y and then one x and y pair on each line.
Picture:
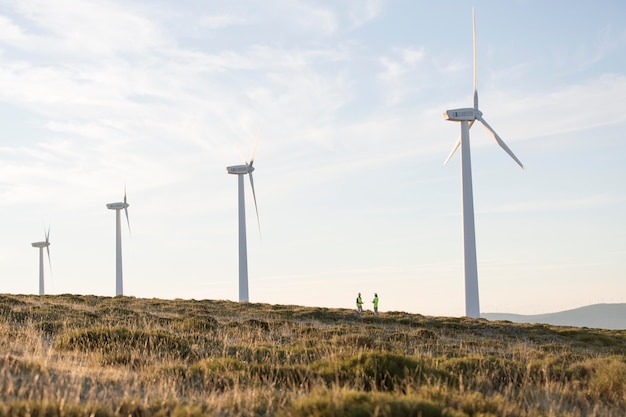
x,y
599,316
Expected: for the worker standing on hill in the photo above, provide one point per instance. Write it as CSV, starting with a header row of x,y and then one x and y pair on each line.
x,y
359,304
375,301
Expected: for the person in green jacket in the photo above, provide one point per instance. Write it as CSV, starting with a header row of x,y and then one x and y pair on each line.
x,y
359,304
375,301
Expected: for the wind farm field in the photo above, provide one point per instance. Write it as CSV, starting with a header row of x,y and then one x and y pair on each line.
x,y
70,355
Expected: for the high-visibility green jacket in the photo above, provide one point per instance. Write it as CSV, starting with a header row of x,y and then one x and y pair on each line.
x,y
375,302
359,301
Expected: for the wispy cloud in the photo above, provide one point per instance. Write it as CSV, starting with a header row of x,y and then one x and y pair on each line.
x,y
364,11
557,111
11,32
91,29
608,40
396,67
222,21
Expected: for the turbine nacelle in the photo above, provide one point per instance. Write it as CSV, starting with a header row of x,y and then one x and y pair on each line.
x,y
459,115
117,206
40,244
240,169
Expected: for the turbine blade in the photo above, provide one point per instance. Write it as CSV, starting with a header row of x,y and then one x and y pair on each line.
x,y
127,220
456,145
475,72
50,264
454,148
126,210
256,145
48,247
499,141
49,261
255,206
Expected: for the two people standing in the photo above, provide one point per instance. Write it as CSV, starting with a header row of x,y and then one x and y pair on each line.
x,y
359,304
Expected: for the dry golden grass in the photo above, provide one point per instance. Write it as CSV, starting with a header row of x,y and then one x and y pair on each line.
x,y
71,355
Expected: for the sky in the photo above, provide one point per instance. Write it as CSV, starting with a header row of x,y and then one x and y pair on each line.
x,y
158,97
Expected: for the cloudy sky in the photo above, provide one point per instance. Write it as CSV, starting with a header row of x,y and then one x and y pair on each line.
x,y
161,96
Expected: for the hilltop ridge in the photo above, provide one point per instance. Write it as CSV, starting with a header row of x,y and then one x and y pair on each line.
x,y
74,356
600,316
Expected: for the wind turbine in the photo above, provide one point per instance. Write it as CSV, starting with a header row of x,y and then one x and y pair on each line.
x,y
41,245
467,117
240,171
119,285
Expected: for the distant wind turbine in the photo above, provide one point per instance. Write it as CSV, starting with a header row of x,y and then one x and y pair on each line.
x,y
240,171
119,284
467,117
41,245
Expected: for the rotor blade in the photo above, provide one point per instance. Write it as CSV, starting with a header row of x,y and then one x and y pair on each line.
x,y
456,145
454,148
475,75
127,220
46,234
49,261
256,145
126,210
499,140
48,247
255,206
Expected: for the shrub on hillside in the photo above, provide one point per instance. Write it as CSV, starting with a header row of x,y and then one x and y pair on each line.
x,y
375,370
122,339
358,404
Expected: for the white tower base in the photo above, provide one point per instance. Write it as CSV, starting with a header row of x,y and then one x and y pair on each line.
x,y
119,281
41,283
243,252
472,304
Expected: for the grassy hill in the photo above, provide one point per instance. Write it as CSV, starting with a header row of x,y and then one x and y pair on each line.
x,y
601,316
71,355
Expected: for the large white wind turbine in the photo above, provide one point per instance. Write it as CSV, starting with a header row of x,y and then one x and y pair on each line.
x,y
41,245
240,171
119,284
467,117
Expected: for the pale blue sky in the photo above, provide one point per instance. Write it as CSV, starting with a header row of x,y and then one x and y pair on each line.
x,y
352,191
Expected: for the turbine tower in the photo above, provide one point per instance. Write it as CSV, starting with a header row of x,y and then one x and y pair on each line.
x,y
119,284
240,171
41,245
467,117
